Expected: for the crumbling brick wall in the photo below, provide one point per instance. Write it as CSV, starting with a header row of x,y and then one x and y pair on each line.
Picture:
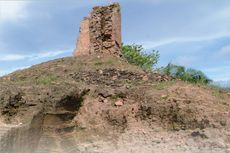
x,y
100,32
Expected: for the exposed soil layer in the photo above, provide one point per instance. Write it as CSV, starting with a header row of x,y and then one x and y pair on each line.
x,y
103,104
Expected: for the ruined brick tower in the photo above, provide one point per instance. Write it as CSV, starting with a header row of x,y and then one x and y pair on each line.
x,y
100,32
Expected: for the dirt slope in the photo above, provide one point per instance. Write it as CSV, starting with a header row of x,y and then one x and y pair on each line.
x,y
103,104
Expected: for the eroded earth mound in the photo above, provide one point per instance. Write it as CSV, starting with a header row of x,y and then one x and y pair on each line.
x,y
103,104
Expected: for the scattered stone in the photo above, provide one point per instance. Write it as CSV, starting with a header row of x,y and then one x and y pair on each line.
x,y
161,78
187,101
7,78
164,97
119,103
198,134
102,100
173,99
227,151
100,72
114,77
105,100
145,78
105,93
223,123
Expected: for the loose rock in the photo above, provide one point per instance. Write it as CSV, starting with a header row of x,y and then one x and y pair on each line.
x,y
119,103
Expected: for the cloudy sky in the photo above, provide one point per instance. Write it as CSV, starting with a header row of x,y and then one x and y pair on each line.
x,y
193,33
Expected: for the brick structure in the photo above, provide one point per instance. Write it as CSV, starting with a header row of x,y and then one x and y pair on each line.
x,y
100,32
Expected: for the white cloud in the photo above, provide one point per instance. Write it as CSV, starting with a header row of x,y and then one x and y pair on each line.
x,y
154,2
12,10
50,54
194,21
41,55
34,57
12,57
162,42
153,44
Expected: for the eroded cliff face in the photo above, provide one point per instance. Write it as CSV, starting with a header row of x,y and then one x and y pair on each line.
x,y
21,138
100,32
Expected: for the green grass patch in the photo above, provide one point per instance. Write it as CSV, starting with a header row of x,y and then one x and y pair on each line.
x,y
98,63
106,62
46,80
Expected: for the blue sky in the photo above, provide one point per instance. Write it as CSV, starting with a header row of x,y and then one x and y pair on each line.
x,y
193,33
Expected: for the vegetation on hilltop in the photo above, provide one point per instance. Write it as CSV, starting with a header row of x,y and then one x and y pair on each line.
x,y
186,74
136,55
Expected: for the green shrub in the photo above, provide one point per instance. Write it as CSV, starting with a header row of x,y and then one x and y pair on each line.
x,y
136,55
186,74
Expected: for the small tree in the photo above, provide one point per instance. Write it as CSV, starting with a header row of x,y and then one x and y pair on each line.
x,y
136,55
